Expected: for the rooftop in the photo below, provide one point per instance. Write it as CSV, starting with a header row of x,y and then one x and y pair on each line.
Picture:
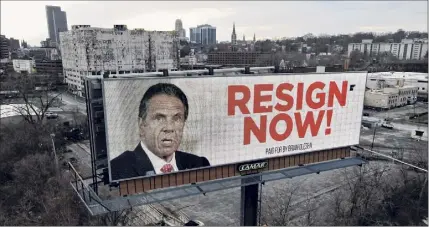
x,y
395,75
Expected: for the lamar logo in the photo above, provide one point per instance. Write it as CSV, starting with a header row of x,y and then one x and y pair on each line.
x,y
252,166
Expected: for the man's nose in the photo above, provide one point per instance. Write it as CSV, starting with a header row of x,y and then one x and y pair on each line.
x,y
169,126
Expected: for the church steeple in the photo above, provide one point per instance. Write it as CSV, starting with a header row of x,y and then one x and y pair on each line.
x,y
233,35
244,38
254,37
233,28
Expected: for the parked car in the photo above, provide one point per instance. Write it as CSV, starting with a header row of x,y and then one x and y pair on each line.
x,y
50,115
74,134
387,125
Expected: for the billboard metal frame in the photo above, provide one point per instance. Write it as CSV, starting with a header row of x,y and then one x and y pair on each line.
x,y
96,205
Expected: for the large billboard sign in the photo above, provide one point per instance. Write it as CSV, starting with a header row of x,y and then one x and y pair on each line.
x,y
161,125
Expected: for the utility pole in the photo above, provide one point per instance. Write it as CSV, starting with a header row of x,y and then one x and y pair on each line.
x,y
55,153
150,53
373,137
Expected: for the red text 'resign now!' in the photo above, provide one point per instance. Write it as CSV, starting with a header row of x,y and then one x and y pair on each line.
x,y
282,98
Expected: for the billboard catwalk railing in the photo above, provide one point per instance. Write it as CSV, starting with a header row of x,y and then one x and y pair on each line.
x,y
96,206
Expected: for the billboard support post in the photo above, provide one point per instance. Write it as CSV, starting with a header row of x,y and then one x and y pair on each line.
x,y
249,202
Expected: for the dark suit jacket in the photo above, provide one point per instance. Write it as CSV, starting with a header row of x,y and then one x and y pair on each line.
x,y
136,163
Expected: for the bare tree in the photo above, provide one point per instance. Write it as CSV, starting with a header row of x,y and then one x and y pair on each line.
x,y
37,97
377,195
310,211
356,57
115,218
418,156
31,193
361,190
35,196
277,209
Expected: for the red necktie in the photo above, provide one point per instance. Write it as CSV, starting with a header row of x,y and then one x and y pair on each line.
x,y
167,168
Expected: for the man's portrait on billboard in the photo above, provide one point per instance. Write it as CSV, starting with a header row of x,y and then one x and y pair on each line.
x,y
162,115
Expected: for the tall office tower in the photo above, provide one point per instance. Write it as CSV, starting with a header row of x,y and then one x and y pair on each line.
x,y
208,34
57,22
193,35
4,47
180,31
203,34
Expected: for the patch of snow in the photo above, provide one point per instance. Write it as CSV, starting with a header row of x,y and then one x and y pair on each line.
x,y
16,110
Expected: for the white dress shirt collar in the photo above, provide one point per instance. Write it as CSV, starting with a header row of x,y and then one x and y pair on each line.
x,y
158,162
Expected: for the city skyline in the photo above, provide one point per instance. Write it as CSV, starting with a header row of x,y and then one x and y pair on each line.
x,y
280,19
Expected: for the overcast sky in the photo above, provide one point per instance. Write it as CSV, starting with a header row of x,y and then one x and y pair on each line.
x,y
27,20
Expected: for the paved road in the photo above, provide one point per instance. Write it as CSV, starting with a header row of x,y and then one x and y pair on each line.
x,y
71,102
400,112
81,152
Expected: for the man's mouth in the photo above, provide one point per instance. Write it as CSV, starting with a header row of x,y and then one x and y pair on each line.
x,y
166,142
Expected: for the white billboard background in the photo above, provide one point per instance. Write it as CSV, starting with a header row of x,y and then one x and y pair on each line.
x,y
211,133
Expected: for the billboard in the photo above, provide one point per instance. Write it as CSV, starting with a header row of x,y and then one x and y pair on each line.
x,y
160,125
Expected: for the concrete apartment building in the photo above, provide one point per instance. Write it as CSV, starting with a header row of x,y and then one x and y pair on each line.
x,y
236,59
407,49
87,51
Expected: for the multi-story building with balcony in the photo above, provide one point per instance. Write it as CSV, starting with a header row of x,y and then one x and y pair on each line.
x,y
87,51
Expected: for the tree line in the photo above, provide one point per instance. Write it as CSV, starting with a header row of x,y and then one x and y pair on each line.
x,y
33,189
324,43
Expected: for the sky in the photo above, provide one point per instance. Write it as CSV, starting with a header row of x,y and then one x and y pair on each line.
x,y
265,19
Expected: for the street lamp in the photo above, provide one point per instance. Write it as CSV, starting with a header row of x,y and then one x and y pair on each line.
x,y
55,152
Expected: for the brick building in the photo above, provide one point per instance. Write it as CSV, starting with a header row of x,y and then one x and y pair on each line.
x,y
239,59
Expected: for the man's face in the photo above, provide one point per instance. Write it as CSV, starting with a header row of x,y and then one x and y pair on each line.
x,y
162,129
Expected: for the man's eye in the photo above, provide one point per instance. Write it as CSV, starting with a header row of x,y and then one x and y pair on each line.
x,y
158,118
177,118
